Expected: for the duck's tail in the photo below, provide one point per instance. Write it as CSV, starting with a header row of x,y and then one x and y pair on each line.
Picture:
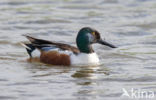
x,y
29,47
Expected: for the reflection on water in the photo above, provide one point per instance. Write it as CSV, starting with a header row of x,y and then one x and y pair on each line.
x,y
89,72
129,24
86,72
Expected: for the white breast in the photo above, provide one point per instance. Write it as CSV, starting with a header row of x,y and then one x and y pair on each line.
x,y
84,59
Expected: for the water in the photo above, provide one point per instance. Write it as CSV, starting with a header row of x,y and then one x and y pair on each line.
x,y
128,24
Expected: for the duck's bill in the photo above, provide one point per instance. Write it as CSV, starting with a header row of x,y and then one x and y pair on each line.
x,y
106,43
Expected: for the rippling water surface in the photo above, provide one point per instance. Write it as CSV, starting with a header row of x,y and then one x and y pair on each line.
x,y
129,24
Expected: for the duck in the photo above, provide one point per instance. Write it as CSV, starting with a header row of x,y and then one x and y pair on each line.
x,y
55,53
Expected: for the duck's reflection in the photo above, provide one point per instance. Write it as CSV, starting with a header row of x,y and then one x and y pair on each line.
x,y
38,69
87,80
88,72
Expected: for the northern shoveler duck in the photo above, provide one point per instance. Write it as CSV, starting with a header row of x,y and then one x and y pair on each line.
x,y
64,54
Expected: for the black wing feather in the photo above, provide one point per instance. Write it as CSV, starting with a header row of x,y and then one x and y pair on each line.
x,y
43,43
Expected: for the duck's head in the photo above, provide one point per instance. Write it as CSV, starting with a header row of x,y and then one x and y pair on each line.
x,y
88,36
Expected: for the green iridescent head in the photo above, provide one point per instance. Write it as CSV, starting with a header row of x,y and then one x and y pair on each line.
x,y
88,36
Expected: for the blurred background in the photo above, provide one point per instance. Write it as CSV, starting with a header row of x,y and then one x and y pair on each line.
x,y
128,24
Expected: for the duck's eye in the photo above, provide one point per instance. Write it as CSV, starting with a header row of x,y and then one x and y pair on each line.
x,y
93,33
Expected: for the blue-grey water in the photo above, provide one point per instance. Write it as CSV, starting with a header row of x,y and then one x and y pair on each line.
x,y
128,24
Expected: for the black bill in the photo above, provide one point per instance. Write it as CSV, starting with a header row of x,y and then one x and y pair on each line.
x,y
106,43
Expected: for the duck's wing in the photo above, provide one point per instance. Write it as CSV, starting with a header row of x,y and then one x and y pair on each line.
x,y
39,43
